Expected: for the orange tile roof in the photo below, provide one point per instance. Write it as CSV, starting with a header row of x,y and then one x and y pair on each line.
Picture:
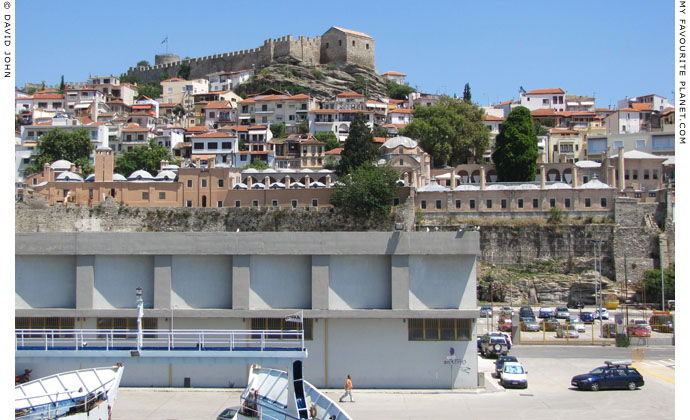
x,y
371,101
48,96
354,111
393,73
350,95
506,102
336,151
239,128
642,107
395,101
668,110
49,123
299,96
257,127
380,139
197,129
134,128
271,98
545,91
604,110
394,125
217,104
492,118
325,111
168,105
204,156
562,131
351,32
629,110
544,112
173,79
401,111
254,152
248,101
211,135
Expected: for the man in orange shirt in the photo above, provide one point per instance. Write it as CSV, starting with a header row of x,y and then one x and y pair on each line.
x,y
348,389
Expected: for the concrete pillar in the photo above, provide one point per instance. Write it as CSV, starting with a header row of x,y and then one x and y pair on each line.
x,y
85,279
400,282
542,172
249,182
267,181
320,281
162,281
328,181
287,182
482,178
576,181
612,176
240,281
621,169
452,179
307,181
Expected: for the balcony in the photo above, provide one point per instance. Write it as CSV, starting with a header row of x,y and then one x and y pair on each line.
x,y
265,111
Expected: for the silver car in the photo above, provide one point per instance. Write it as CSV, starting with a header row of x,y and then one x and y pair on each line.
x,y
577,322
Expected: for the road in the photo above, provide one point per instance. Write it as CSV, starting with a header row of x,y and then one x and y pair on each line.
x,y
549,395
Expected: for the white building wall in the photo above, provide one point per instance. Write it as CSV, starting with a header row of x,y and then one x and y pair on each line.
x,y
359,282
439,282
115,276
45,282
292,291
201,282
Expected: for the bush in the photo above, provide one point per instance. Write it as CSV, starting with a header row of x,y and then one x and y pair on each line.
x,y
318,74
556,216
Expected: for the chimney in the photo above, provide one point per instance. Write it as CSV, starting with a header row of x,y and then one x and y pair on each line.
x,y
307,181
482,178
48,174
542,172
164,163
73,168
328,181
576,181
212,162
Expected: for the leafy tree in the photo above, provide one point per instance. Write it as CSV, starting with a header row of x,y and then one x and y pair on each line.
x,y
61,89
59,144
652,284
179,110
451,131
380,131
164,76
331,162
278,130
329,138
516,151
359,147
466,94
303,127
397,91
184,71
146,157
318,74
143,63
242,145
540,125
129,78
359,85
368,192
257,164
152,89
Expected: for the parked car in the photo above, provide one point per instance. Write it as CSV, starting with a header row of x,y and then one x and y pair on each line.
x,y
577,322
562,313
499,364
609,330
505,323
228,414
526,311
587,317
661,323
493,346
485,311
642,322
529,324
604,313
638,330
615,375
504,335
550,324
513,375
507,310
568,330
575,304
671,305
546,313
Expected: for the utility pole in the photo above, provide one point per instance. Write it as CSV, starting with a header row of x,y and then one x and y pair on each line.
x,y
140,316
661,266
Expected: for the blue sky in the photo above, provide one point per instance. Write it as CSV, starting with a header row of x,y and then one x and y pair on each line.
x,y
607,48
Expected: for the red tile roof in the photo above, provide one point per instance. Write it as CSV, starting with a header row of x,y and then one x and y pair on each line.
x,y
562,131
211,135
134,128
351,32
629,110
492,118
544,112
48,96
239,128
173,79
506,103
350,95
642,107
400,111
257,127
545,91
217,105
336,151
197,129
380,140
299,96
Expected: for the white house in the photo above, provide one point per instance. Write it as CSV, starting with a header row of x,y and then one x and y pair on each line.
x,y
623,121
144,103
169,136
134,135
219,112
395,76
399,116
658,103
176,90
228,80
543,99
216,144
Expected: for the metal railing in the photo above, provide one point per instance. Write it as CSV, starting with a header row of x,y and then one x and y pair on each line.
x,y
199,340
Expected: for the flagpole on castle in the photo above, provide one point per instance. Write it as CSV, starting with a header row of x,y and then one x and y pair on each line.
x,y
165,41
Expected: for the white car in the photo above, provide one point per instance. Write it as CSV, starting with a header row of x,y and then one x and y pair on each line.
x,y
577,322
571,331
513,375
604,313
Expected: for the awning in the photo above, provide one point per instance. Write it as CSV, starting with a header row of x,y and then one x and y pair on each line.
x,y
142,106
203,157
82,106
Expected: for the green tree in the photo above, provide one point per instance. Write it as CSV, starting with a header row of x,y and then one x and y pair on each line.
x,y
147,157
129,78
466,94
61,89
359,147
57,144
303,127
329,138
143,63
368,192
380,131
516,151
331,162
397,91
179,110
164,76
652,284
359,85
257,164
451,131
278,130
184,71
152,90
541,125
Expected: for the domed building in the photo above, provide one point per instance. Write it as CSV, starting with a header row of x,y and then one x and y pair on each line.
x,y
406,156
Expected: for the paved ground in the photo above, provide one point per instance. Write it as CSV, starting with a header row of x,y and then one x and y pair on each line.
x,y
549,395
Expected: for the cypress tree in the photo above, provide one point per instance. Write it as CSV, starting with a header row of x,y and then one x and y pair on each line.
x,y
359,147
516,151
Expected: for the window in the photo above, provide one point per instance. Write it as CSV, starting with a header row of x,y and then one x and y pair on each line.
x,y
315,202
521,203
552,202
145,195
588,202
255,203
326,44
603,201
294,204
638,195
90,193
189,183
189,203
652,194
488,204
504,203
473,204
401,162
438,204
439,329
197,146
367,46
340,42
535,203
646,174
221,183
128,324
458,204
655,174
212,145
161,195
287,328
627,174
567,203
634,173
227,145
41,323
203,183
423,204
274,203
220,203
353,43
238,203
211,114
640,144
618,144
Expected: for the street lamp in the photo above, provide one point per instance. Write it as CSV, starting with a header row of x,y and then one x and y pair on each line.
x,y
597,252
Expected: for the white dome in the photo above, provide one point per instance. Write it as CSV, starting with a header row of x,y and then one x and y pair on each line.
x,y
258,186
90,178
433,187
61,165
140,175
497,187
594,184
528,187
172,167
240,186
166,176
558,186
69,176
250,171
587,164
466,187
400,141
119,178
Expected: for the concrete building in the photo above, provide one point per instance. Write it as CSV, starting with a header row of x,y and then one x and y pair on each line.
x,y
657,143
543,99
384,307
657,103
623,121
565,146
228,80
395,76
180,91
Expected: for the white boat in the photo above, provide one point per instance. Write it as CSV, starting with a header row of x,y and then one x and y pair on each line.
x,y
273,394
78,394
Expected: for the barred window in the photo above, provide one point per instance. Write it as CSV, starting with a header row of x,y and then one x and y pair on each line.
x,y
439,329
44,323
127,324
281,325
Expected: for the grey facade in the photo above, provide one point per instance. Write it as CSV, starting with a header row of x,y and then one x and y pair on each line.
x,y
360,289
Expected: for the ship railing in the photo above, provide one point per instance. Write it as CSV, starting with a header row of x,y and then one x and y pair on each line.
x,y
55,406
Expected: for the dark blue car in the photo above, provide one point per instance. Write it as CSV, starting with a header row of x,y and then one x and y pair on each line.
x,y
587,317
615,375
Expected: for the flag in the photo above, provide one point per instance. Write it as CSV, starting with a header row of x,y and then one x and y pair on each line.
x,y
294,317
165,40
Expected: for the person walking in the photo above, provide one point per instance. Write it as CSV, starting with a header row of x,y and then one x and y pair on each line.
x,y
348,388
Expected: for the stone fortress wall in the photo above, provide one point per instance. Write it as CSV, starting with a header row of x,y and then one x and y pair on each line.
x,y
306,50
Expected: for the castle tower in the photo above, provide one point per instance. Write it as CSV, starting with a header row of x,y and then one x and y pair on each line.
x,y
345,46
103,165
166,58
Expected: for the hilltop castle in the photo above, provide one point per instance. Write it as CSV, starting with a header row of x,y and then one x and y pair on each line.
x,y
336,45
